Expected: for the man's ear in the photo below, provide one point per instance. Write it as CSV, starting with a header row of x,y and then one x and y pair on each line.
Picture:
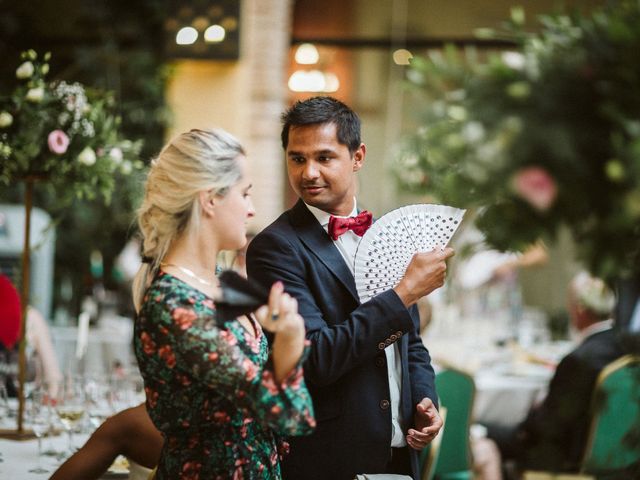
x,y
358,157
207,202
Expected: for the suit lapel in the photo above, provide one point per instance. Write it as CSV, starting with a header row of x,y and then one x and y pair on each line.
x,y
320,245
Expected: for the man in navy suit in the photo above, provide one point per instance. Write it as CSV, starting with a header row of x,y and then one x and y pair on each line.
x,y
368,372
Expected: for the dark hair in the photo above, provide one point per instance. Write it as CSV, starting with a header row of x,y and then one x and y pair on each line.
x,y
319,110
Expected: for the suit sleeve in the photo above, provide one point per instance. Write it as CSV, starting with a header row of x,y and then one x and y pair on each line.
x,y
420,369
338,348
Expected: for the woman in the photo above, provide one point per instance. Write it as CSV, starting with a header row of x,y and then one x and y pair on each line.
x,y
213,390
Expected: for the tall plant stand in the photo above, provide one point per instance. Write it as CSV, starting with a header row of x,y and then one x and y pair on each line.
x,y
20,433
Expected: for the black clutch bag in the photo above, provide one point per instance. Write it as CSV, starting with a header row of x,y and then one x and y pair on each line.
x,y
239,296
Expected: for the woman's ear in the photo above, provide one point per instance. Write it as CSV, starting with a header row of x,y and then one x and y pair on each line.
x,y
207,202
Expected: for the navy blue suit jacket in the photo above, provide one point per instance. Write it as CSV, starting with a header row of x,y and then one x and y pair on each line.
x,y
346,371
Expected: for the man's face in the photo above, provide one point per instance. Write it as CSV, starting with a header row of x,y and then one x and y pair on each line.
x,y
321,170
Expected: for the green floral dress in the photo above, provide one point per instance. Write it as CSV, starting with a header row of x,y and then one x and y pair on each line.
x,y
211,390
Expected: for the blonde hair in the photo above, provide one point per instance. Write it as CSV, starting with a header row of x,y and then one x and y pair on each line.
x,y
192,162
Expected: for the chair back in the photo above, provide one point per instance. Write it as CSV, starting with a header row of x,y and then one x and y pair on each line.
x,y
456,391
614,440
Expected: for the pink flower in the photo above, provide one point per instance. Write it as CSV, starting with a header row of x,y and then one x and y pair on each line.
x,y
167,355
184,317
536,186
250,369
58,142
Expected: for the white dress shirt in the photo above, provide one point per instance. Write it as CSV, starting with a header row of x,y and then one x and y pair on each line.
x,y
347,244
634,323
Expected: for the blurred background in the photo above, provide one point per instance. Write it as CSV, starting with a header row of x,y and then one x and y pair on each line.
x,y
238,64
262,56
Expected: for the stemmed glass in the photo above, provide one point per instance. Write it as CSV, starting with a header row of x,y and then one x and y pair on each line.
x,y
4,401
98,400
70,405
121,394
39,413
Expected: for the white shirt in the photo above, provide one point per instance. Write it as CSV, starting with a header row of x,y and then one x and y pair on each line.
x,y
347,244
634,322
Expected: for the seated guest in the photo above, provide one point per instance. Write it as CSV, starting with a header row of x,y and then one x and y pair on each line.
x,y
217,394
130,433
554,433
42,363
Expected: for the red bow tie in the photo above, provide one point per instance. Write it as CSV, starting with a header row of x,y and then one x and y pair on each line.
x,y
359,224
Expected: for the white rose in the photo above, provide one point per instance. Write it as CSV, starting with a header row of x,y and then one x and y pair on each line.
x,y
35,95
457,113
116,155
5,119
25,70
126,168
514,60
473,132
5,150
87,157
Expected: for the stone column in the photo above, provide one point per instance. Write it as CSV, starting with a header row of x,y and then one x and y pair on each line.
x,y
267,35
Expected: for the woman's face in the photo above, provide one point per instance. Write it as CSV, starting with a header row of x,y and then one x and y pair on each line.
x,y
233,211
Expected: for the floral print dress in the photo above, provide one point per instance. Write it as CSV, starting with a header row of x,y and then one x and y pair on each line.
x,y
211,390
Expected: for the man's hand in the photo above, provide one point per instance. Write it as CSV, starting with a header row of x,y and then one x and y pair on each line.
x,y
427,422
425,273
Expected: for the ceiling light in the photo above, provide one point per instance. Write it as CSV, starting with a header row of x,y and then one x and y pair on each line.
x,y
186,36
214,34
307,54
402,56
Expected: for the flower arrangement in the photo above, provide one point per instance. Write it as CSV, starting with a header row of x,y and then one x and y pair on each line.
x,y
544,136
63,133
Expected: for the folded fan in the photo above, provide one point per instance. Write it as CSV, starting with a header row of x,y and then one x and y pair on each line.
x,y
384,252
239,296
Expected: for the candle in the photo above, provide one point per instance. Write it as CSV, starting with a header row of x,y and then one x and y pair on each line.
x,y
83,334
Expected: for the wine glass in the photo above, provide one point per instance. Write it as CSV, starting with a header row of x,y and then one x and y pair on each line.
x,y
70,405
121,393
98,397
38,414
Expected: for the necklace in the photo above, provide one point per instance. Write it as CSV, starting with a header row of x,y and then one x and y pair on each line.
x,y
187,272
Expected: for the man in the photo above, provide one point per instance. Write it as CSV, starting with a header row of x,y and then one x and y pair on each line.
x,y
368,372
554,434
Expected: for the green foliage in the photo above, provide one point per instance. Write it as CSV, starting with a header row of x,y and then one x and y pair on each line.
x,y
545,135
62,134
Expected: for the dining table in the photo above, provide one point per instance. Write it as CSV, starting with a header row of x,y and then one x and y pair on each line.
x,y
19,459
509,378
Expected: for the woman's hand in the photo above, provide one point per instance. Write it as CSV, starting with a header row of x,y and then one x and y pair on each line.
x,y
281,316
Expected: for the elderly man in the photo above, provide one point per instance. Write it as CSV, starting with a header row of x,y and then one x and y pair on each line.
x,y
553,435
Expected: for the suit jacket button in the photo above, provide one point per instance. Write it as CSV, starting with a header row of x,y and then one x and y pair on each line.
x,y
388,342
384,404
394,337
381,345
399,333
379,361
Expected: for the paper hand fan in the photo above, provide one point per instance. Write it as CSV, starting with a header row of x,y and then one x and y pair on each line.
x,y
384,252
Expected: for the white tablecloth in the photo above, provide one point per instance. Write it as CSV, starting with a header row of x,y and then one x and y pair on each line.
x,y
18,457
505,398
507,382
